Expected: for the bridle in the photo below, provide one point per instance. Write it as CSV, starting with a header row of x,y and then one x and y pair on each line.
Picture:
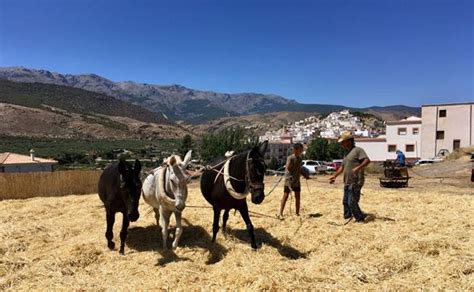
x,y
252,186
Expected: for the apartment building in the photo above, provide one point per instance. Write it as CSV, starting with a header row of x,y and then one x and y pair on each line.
x,y
446,127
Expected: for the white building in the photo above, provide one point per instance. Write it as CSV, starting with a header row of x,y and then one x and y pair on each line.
x,y
446,127
11,162
404,135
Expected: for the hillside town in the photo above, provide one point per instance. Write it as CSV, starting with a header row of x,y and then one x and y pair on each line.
x,y
329,127
435,134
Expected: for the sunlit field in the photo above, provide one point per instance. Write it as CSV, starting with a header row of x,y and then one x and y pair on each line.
x,y
416,237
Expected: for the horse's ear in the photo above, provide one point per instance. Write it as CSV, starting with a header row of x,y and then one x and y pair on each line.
x,y
263,148
122,167
137,167
187,158
172,161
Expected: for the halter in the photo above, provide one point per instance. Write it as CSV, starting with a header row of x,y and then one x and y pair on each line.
x,y
163,197
249,185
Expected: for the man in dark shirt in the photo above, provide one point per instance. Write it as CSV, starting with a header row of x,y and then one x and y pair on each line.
x,y
292,178
353,172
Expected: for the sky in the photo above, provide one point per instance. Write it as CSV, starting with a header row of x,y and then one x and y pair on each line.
x,y
353,53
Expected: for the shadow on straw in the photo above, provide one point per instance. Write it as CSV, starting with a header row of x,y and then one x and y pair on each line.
x,y
315,215
149,238
265,237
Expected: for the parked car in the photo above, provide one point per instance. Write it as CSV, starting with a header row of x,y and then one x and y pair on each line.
x,y
314,167
330,166
424,161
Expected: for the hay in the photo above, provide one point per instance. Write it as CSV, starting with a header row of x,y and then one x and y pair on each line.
x,y
48,184
419,237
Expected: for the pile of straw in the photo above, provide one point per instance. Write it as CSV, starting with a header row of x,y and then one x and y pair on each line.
x,y
419,237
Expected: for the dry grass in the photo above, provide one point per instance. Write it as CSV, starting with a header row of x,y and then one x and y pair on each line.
x,y
463,152
420,237
47,184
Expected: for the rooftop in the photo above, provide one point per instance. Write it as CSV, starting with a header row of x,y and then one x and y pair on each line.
x,y
449,104
13,158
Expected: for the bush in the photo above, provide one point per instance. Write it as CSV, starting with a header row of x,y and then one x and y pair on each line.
x,y
235,139
322,149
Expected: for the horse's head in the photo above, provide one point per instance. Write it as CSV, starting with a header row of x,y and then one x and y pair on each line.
x,y
256,172
130,187
179,179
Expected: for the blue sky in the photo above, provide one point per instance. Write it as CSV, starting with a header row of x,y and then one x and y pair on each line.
x,y
355,53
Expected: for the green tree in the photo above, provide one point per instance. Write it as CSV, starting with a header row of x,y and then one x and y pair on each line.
x,y
317,149
217,144
323,149
273,164
335,150
186,145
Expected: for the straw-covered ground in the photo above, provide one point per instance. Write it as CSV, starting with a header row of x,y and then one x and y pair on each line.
x,y
418,237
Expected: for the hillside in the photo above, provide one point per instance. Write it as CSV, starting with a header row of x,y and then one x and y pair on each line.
x,y
18,120
47,110
193,106
39,95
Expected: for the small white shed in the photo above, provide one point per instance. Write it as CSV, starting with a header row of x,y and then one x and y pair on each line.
x,y
12,162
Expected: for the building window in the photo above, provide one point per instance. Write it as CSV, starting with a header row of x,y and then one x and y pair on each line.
x,y
442,113
402,131
409,148
439,135
392,148
416,131
456,144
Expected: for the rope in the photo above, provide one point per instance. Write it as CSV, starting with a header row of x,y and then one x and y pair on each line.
x,y
250,212
221,172
337,224
274,186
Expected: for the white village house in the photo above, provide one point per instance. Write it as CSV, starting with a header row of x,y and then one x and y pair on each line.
x,y
12,162
404,135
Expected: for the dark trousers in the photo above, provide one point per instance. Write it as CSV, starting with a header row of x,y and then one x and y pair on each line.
x,y
351,203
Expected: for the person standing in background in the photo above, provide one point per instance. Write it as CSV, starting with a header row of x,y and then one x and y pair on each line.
x,y
400,161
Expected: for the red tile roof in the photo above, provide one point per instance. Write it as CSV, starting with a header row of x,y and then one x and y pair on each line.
x,y
13,158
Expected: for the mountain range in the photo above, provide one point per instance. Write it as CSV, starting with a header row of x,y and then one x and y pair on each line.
x,y
176,102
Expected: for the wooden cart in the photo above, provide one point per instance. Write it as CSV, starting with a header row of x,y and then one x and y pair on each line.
x,y
394,176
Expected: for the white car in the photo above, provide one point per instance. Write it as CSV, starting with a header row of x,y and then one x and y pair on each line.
x,y
314,167
424,161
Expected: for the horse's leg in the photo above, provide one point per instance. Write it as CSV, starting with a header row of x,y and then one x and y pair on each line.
x,y
215,224
157,216
244,212
123,233
224,222
109,233
179,229
164,223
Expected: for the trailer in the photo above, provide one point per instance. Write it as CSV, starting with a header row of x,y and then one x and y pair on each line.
x,y
394,176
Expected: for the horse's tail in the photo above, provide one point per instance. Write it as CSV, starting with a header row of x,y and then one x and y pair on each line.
x,y
207,184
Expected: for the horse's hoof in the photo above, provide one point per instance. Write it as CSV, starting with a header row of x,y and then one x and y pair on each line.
x,y
254,247
122,252
111,245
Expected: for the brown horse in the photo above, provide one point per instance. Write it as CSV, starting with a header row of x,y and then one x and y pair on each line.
x,y
119,190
